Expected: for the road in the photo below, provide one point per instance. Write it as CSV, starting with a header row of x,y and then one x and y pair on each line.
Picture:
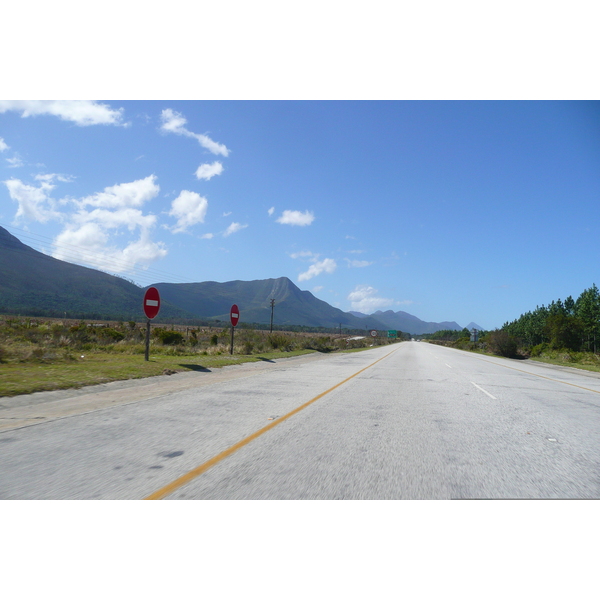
x,y
406,421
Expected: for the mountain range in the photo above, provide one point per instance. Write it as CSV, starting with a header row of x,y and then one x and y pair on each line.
x,y
36,284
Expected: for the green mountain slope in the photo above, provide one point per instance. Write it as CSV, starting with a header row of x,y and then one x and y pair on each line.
x,y
292,305
34,284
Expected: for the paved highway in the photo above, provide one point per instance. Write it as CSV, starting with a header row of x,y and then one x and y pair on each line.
x,y
407,421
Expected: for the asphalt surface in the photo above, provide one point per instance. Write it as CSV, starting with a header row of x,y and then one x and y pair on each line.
x,y
406,421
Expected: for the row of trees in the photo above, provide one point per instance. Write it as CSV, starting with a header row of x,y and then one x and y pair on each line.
x,y
572,324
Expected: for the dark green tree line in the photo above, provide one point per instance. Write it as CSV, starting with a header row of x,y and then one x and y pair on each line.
x,y
572,324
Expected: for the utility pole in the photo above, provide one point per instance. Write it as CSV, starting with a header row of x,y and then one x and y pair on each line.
x,y
272,307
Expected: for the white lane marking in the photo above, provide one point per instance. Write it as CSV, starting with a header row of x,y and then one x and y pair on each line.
x,y
151,302
448,365
487,393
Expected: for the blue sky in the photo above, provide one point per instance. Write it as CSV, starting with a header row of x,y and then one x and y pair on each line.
x,y
459,211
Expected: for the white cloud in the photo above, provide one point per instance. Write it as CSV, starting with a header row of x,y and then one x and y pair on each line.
x,y
173,122
207,236
35,203
3,145
295,217
327,265
226,214
81,112
116,208
50,177
189,208
92,242
363,299
207,171
133,193
317,288
97,221
358,263
271,211
305,254
115,219
233,228
15,161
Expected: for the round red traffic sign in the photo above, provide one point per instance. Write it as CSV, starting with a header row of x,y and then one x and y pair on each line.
x,y
234,315
151,302
374,333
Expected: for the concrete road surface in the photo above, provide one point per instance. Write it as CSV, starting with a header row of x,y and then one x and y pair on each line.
x,y
406,421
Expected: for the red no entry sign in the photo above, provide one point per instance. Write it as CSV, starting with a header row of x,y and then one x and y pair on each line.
x,y
234,315
151,302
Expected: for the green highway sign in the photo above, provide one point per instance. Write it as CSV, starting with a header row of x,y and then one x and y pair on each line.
x,y
392,333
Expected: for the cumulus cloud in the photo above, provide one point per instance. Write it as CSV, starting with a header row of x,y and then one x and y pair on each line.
x,y
94,225
358,263
3,145
364,299
174,122
189,208
50,177
35,203
271,211
131,194
295,217
327,265
80,112
15,161
93,239
233,228
207,236
207,171
305,254
131,218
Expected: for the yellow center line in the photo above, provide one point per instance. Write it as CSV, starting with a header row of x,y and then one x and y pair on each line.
x,y
189,476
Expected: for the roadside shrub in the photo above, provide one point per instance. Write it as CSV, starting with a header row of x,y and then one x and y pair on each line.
x,y
278,340
168,337
538,350
111,334
503,344
214,339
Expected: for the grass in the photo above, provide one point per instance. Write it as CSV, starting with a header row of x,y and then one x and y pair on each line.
x,y
102,367
586,361
567,363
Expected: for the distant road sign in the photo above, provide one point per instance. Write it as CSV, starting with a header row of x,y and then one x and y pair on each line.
x,y
151,302
234,315
392,333
373,333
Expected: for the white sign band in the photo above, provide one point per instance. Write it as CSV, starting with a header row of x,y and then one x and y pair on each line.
x,y
151,302
235,315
